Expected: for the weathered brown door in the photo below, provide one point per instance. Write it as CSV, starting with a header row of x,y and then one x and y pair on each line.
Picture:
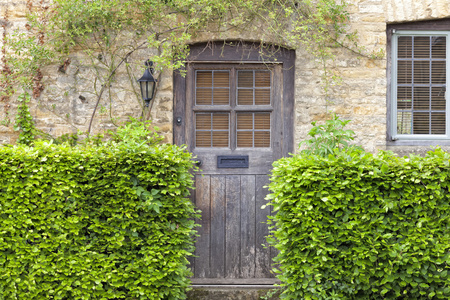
x,y
230,115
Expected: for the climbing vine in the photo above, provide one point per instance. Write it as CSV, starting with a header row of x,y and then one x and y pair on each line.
x,y
111,34
24,121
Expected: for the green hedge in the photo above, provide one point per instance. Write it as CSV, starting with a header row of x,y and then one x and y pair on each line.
x,y
358,226
95,222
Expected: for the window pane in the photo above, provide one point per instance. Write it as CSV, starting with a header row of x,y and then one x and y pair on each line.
x,y
405,47
221,121
262,139
262,97
438,72
245,79
204,79
245,97
421,123
221,97
421,98
244,121
438,98
203,122
404,97
437,123
253,87
404,122
404,72
221,79
245,139
253,130
212,88
220,139
212,126
203,97
262,121
421,47
212,130
421,78
421,72
438,46
203,139
262,79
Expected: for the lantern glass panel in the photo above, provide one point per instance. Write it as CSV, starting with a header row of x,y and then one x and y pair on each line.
x,y
147,89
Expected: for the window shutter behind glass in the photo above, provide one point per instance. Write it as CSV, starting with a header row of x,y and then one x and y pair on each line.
x,y
421,79
253,130
212,130
212,88
253,88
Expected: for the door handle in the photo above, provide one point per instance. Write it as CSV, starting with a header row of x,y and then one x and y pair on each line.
x,y
198,162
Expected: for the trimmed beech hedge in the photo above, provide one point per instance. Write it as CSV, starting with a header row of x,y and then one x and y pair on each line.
x,y
358,226
95,222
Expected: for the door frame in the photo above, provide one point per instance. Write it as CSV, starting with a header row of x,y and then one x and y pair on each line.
x,y
238,53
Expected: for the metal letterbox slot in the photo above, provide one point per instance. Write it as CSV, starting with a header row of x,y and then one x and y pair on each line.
x,y
232,161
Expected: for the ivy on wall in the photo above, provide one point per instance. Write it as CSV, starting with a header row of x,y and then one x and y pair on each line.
x,y
24,121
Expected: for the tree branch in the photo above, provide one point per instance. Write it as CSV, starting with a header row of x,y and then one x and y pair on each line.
x,y
107,83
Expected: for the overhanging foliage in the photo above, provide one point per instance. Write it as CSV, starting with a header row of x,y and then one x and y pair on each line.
x,y
111,33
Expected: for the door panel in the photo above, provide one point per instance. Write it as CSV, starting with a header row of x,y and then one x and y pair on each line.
x,y
203,250
233,229
218,225
263,255
232,226
248,226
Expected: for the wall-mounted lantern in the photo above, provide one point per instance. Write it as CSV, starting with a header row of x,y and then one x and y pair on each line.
x,y
147,83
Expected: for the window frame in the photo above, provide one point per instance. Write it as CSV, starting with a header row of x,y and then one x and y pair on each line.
x,y
395,135
394,31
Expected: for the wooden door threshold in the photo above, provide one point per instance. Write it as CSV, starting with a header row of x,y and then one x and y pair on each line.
x,y
235,287
231,291
235,281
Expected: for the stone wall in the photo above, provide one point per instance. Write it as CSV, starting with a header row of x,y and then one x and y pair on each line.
x,y
361,97
415,10
65,106
68,100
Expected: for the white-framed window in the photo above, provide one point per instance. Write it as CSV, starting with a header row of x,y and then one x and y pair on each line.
x,y
419,102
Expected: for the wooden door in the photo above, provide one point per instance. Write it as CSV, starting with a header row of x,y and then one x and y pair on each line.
x,y
232,120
